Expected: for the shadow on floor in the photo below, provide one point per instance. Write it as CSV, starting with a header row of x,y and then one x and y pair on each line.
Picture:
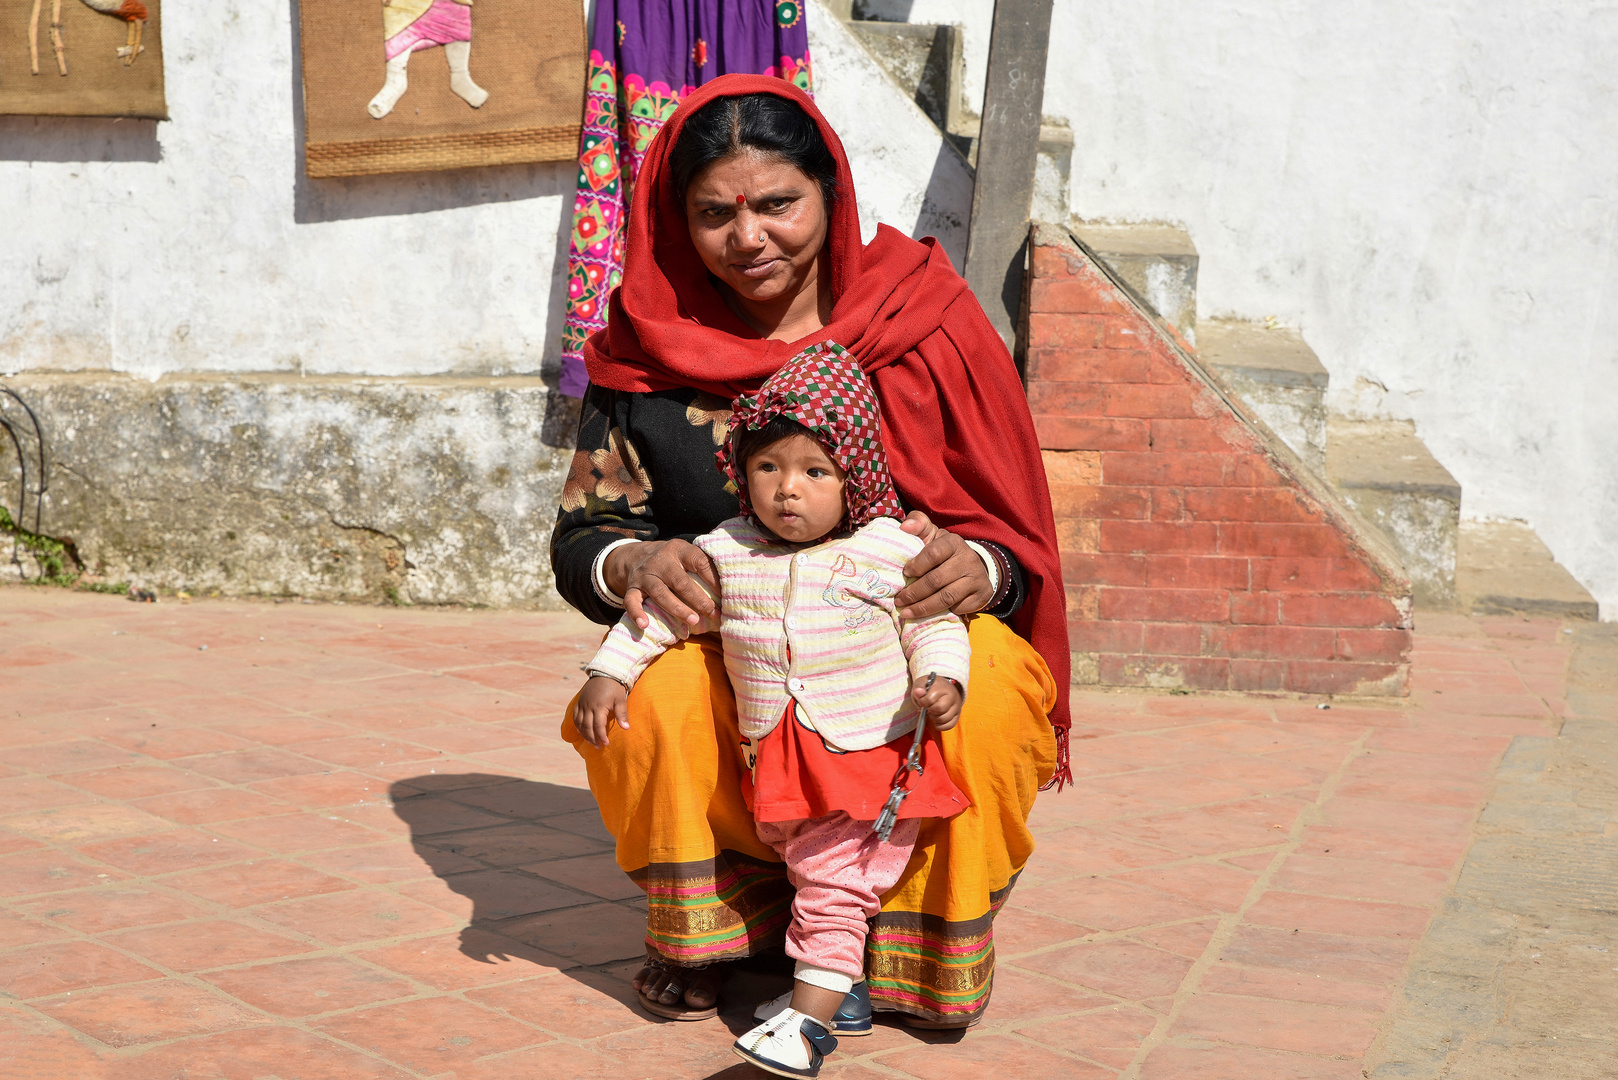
x,y
491,838
536,863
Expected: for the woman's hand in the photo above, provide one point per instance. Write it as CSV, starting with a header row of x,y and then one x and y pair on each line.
x,y
949,576
662,570
942,703
600,702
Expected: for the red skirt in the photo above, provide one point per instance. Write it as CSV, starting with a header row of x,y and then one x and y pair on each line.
x,y
798,776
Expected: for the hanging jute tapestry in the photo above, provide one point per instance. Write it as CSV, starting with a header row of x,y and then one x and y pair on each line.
x,y
81,58
411,85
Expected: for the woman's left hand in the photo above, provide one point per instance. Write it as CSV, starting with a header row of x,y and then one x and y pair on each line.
x,y
949,576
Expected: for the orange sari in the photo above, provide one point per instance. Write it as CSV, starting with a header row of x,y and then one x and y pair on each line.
x,y
670,791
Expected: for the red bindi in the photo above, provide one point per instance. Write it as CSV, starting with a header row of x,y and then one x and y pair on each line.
x,y
740,199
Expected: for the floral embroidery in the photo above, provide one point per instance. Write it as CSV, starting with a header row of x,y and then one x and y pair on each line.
x,y
591,225
581,480
710,410
615,488
797,72
648,107
620,473
788,13
609,475
699,53
598,164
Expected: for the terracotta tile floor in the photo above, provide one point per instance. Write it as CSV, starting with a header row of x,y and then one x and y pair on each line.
x,y
246,840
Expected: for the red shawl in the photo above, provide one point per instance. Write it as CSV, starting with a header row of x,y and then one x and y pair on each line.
x,y
959,437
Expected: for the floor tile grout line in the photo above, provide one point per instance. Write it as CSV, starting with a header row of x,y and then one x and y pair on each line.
x,y
1227,927
1100,937
318,949
296,858
302,1023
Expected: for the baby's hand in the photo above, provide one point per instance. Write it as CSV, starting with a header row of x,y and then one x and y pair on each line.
x,y
600,701
942,703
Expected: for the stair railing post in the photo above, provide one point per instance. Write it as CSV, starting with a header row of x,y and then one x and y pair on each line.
x,y
1008,143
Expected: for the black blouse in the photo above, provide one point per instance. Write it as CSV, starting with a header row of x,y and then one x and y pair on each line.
x,y
645,470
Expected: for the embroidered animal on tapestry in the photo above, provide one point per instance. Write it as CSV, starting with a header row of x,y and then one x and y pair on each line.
x,y
411,25
133,12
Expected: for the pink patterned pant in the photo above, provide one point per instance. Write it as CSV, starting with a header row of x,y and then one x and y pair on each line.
x,y
840,870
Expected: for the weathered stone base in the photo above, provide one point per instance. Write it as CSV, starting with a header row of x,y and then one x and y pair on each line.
x,y
1391,479
425,490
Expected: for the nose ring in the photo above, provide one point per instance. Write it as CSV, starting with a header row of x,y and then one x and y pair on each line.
x,y
762,237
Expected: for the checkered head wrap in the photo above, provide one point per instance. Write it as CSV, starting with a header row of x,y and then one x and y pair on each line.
x,y
823,389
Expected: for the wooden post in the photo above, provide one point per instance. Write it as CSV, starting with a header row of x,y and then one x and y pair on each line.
x,y
1008,142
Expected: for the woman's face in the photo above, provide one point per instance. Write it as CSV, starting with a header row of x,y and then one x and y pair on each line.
x,y
758,223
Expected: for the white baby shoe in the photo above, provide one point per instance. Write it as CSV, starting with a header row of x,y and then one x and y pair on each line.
x,y
853,1016
775,1047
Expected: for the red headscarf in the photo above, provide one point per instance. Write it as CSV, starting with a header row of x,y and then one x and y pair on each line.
x,y
958,434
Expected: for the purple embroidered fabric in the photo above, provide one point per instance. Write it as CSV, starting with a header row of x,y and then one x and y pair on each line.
x,y
645,56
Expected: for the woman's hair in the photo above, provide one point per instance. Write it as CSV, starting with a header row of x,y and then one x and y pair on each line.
x,y
749,441
766,123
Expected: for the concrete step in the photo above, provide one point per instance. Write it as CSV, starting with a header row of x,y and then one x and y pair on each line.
x,y
1277,374
1156,260
926,62
924,59
1052,167
1388,475
1503,568
907,174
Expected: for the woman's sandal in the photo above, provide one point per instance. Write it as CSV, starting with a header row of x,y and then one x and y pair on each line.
x,y
775,1046
921,1023
676,1010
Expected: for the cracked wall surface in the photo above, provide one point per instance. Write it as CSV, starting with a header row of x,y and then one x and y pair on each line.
x,y
425,490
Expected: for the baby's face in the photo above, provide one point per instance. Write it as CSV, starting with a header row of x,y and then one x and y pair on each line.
x,y
796,490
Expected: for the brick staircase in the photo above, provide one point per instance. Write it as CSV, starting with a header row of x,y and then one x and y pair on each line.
x,y
1259,471
1198,550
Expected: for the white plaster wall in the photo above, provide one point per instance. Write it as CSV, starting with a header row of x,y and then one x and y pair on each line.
x,y
197,244
1426,190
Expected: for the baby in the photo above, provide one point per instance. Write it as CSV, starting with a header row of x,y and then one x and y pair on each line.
x,y
831,684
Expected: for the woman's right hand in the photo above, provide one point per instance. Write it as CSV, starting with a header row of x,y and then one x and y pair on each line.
x,y
662,570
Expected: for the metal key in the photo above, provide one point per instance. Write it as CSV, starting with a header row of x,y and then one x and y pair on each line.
x,y
889,817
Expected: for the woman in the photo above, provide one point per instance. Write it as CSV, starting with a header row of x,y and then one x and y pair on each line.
x,y
744,248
